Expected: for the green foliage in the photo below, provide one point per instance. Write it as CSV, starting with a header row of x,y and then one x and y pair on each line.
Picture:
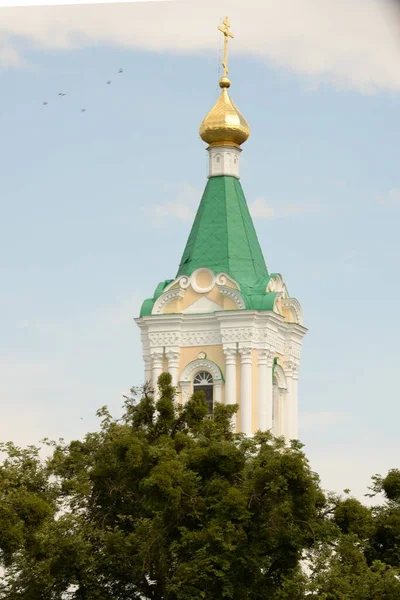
x,y
166,504
27,499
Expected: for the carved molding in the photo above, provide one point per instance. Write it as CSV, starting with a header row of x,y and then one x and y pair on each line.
x,y
198,288
246,354
157,359
292,349
223,278
201,365
201,338
233,295
265,356
293,305
173,359
165,299
165,338
291,367
230,355
275,342
241,334
279,375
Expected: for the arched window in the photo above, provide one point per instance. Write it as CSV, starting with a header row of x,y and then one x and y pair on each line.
x,y
203,382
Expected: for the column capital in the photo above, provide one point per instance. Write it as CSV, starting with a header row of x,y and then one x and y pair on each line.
x,y
157,358
246,354
172,357
265,356
230,354
291,367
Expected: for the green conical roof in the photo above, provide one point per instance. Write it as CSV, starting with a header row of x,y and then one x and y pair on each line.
x,y
224,240
223,237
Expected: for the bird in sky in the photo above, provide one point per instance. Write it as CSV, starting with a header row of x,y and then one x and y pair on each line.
x,y
83,109
61,94
108,82
45,103
120,71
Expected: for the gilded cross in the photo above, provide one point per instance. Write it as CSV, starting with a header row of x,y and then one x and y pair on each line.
x,y
227,35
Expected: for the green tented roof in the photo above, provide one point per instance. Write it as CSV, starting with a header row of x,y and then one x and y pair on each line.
x,y
223,237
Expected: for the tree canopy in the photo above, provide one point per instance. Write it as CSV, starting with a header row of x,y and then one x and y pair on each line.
x,y
165,503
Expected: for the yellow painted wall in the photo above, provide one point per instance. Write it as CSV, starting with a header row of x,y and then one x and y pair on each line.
x,y
180,304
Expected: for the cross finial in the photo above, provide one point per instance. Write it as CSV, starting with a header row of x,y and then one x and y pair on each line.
x,y
227,34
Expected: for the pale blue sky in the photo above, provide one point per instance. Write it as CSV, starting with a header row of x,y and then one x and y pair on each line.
x,y
89,226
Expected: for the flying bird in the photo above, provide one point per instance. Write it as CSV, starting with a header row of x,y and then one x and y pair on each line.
x,y
108,82
120,71
83,109
61,94
45,103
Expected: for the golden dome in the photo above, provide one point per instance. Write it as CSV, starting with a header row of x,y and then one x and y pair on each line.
x,y
224,125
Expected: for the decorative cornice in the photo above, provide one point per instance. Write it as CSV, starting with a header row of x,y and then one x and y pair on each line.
x,y
165,338
292,349
201,338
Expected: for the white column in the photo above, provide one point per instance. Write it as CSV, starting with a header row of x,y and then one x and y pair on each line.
x,y
147,368
218,392
173,365
157,369
245,395
230,375
265,389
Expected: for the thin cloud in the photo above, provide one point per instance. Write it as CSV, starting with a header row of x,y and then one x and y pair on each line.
x,y
183,208
298,209
390,199
261,209
353,44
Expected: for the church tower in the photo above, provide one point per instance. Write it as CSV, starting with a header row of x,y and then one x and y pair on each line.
x,y
224,324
